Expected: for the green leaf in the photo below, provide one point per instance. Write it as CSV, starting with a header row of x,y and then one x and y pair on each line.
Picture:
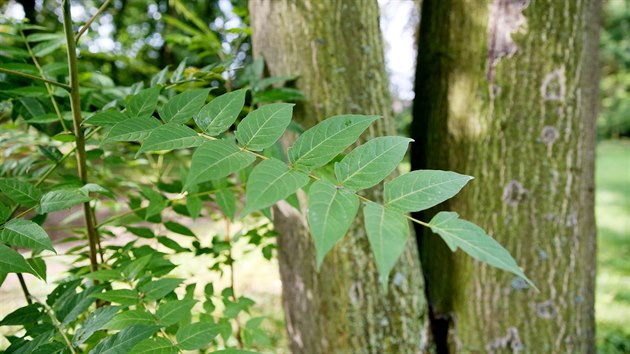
x,y
25,233
135,267
23,316
264,126
38,265
105,275
422,189
157,289
331,211
182,107
196,335
47,47
218,115
227,202
123,341
106,118
120,296
143,103
216,159
5,212
234,351
134,129
13,262
20,192
194,206
320,144
61,199
179,228
129,318
387,232
473,240
174,311
159,78
371,162
271,181
143,232
95,321
172,244
159,345
171,136
39,37
178,73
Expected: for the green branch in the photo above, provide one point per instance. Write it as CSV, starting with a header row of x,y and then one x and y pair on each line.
x,y
33,77
75,105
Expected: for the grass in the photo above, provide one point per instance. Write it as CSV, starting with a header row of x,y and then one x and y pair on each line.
x,y
613,256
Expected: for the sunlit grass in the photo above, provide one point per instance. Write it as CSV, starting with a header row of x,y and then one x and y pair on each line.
x,y
613,256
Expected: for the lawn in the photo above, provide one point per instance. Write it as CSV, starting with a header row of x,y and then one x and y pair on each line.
x,y
613,256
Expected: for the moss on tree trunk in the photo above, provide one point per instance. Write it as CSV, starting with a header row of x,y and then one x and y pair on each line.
x,y
335,47
519,116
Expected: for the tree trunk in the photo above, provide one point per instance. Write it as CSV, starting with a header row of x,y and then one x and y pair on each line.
x,y
506,91
335,47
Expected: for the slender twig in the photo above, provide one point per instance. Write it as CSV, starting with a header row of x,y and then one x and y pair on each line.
x,y
58,325
27,294
89,22
75,105
33,77
49,88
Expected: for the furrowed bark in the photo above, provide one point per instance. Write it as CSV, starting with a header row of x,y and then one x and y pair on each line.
x,y
335,47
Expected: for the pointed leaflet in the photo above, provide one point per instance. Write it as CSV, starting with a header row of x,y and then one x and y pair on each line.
x,y
422,189
473,240
157,289
158,345
371,162
120,296
20,192
218,115
271,181
135,129
331,211
171,136
25,233
196,335
61,199
216,159
130,318
95,321
143,103
106,118
184,106
321,143
174,311
123,341
227,202
13,262
264,126
387,232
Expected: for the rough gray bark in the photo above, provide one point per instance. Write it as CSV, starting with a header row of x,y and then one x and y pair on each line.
x,y
507,92
335,47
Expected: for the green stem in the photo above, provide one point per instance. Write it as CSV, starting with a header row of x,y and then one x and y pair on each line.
x,y
75,105
89,22
33,77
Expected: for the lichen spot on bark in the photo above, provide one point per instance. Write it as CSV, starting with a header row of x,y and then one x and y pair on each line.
x,y
511,342
514,193
554,86
546,310
506,18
